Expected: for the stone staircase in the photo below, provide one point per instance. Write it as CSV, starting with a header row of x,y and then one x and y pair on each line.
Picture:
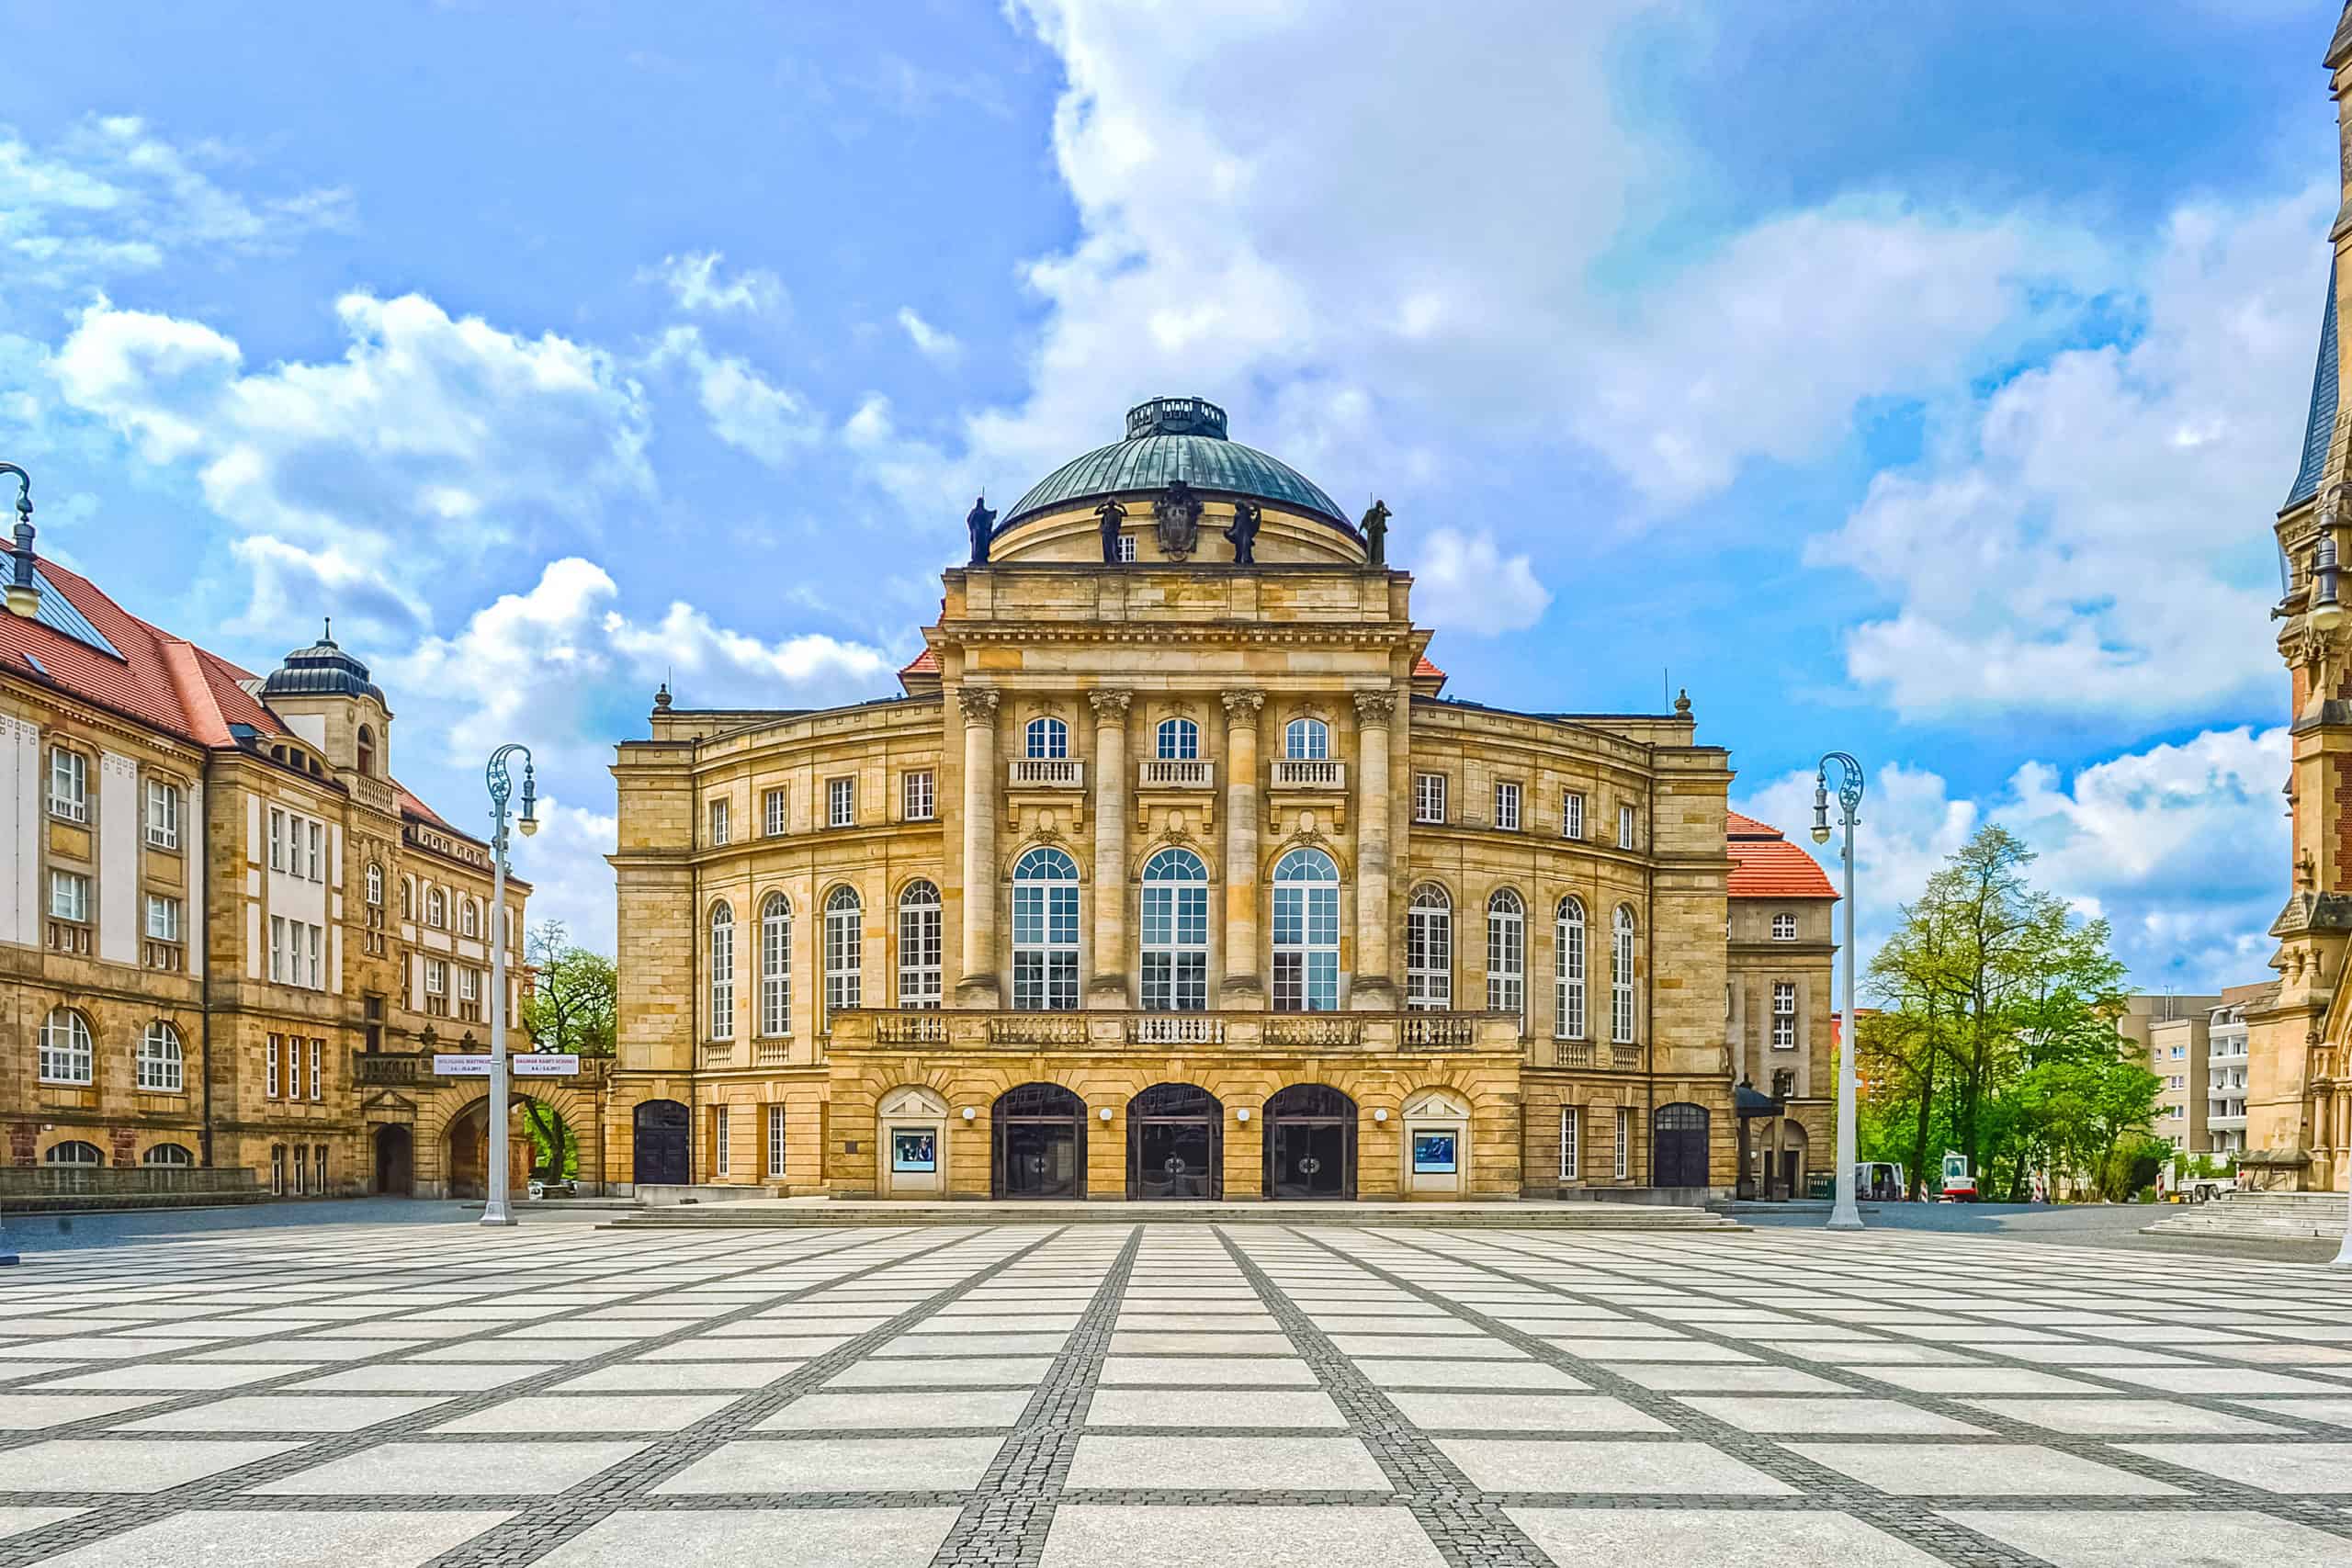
x,y
762,1214
2259,1216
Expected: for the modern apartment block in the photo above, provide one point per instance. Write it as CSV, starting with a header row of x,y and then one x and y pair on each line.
x,y
2172,1035
2225,1065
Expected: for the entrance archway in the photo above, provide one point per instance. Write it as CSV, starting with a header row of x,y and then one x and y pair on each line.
x,y
469,1162
1039,1144
660,1147
395,1161
1678,1145
1175,1143
1310,1142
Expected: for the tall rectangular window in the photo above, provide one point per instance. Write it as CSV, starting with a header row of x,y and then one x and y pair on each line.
x,y
718,822
318,1169
69,785
318,958
1572,815
1429,798
293,1066
69,895
1624,1167
1507,807
772,821
841,803
277,949
1624,827
920,797
163,814
721,1160
318,835
163,919
1784,1016
270,1080
1571,1142
318,1058
1505,954
276,840
775,1140
920,974
277,1170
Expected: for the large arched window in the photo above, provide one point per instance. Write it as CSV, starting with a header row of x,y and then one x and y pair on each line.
x,y
161,1062
436,909
1429,948
1045,931
367,751
1568,977
1180,740
1306,932
1175,927
722,972
1048,737
175,1156
1307,740
775,965
1506,953
919,968
468,917
844,950
65,1051
75,1153
1621,977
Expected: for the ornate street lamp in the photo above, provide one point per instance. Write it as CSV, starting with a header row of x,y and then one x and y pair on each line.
x,y
23,597
495,1212
1843,1214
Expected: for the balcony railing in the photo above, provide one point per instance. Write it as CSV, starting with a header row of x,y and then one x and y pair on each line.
x,y
1298,772
1167,774
1112,1032
1440,1030
771,1052
168,956
718,1054
1176,1029
1048,773
910,1029
69,936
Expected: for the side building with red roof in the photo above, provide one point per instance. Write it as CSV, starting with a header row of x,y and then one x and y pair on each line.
x,y
229,936
1778,1021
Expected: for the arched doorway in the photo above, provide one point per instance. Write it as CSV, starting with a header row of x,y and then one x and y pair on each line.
x,y
662,1126
470,1152
1310,1142
1678,1145
1175,1143
1039,1143
395,1161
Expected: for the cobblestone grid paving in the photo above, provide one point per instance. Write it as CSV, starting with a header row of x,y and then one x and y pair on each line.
x,y
1154,1394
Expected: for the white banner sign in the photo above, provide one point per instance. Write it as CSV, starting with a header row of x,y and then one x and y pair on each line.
x,y
469,1065
546,1064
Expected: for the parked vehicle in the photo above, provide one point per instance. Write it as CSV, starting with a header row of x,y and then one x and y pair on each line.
x,y
1959,1184
2205,1189
1878,1181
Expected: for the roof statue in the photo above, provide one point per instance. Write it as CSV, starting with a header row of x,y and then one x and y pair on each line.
x,y
1112,515
1243,534
1376,534
1178,513
980,523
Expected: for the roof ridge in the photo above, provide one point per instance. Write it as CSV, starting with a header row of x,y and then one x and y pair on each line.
x,y
197,704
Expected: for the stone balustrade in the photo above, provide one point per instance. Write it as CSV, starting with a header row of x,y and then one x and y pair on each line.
x,y
1123,1032
1173,773
1047,772
1311,773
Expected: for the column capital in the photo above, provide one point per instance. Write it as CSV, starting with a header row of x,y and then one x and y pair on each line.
x,y
1241,704
1110,703
979,703
1375,709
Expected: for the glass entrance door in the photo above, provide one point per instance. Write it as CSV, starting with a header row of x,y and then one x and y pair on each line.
x,y
1174,1143
1040,1143
1310,1144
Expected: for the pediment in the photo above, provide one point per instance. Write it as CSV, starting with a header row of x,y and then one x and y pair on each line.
x,y
1437,1103
913,1100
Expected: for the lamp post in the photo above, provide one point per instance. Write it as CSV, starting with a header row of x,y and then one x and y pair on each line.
x,y
495,1212
1843,1214
23,597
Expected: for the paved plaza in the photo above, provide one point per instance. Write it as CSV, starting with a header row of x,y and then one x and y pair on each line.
x,y
1167,1393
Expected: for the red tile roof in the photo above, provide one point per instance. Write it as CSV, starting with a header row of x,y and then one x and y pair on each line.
x,y
1764,864
923,663
1424,670
161,680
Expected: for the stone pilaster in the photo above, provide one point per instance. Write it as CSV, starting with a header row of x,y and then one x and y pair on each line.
x,y
1243,982
1373,988
978,988
1108,986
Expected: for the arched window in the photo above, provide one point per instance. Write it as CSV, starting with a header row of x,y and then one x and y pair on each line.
x,y
844,950
436,909
722,971
1429,948
1307,740
775,965
175,1156
1306,931
1044,930
919,970
65,1051
1569,974
1180,740
1506,953
72,1153
1621,979
375,886
468,917
367,751
161,1061
1175,924
1048,737
408,898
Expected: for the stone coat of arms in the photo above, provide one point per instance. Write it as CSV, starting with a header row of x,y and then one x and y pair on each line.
x,y
1178,516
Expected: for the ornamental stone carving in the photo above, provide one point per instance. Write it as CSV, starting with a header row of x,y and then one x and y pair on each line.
x,y
979,703
1110,702
1241,706
1377,709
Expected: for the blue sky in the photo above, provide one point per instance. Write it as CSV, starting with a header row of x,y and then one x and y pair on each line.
x,y
1916,381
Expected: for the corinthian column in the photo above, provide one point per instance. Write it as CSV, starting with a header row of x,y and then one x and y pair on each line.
x,y
1372,990
1108,987
1242,982
978,988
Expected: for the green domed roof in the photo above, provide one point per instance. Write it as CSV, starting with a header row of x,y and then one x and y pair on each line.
x,y
1170,439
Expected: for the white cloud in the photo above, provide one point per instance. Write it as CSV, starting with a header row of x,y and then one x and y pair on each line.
x,y
2183,846
432,440
564,864
1463,581
696,282
937,346
2096,535
745,409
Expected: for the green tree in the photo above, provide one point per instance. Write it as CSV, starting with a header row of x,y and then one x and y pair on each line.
x,y
573,1007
